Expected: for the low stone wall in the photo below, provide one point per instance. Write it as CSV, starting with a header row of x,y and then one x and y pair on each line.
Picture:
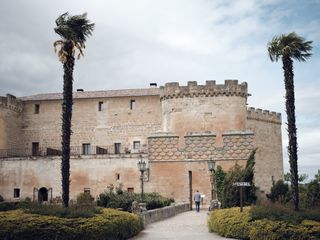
x,y
164,213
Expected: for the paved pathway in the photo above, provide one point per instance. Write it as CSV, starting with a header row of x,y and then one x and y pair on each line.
x,y
185,226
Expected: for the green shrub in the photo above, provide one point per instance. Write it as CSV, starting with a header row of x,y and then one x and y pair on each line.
x,y
7,206
73,211
110,224
276,212
279,212
124,199
85,199
231,223
229,194
279,192
1,198
313,194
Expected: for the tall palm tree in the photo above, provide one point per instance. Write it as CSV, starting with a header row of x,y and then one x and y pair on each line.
x,y
73,31
290,47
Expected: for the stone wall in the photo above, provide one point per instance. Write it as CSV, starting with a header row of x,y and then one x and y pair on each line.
x,y
93,172
116,123
171,166
164,213
269,160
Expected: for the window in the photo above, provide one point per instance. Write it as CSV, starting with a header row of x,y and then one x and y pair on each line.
x,y
86,190
16,192
36,108
130,189
132,104
86,148
35,149
117,147
118,176
136,145
100,108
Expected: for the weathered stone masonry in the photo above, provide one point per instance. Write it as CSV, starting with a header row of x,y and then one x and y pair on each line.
x,y
176,129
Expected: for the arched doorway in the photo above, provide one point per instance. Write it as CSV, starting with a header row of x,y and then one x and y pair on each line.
x,y
43,195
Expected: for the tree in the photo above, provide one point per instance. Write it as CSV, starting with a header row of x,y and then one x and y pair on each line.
x,y
279,192
301,177
250,192
73,31
229,195
289,47
220,176
317,176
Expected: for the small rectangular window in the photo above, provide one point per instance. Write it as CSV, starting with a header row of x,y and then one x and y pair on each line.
x,y
86,148
100,108
35,149
130,190
118,176
136,145
86,190
16,192
132,104
117,148
36,108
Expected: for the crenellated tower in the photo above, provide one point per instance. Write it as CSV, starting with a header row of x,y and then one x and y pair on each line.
x,y
10,122
202,108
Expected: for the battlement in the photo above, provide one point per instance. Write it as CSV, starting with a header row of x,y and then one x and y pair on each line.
x,y
263,115
210,89
11,102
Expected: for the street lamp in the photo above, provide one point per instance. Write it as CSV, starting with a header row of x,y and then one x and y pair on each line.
x,y
142,168
211,167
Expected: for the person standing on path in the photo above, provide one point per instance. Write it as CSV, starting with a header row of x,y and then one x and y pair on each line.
x,y
197,199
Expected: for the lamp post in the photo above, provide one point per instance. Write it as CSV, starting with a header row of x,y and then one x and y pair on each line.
x,y
142,168
211,167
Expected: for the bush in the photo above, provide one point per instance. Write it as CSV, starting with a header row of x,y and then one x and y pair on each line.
x,y
73,211
231,223
110,224
155,200
85,199
313,194
279,192
7,206
1,199
276,212
229,194
124,199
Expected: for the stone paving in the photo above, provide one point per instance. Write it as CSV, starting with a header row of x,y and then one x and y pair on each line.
x,y
185,226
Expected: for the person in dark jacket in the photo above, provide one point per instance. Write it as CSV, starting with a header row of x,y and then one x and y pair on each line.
x,y
197,199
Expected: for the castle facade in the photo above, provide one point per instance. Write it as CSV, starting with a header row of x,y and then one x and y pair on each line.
x,y
174,129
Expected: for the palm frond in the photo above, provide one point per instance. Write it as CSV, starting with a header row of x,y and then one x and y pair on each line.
x,y
290,45
76,29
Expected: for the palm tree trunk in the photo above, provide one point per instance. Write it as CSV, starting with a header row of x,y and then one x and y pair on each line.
x,y
66,121
292,130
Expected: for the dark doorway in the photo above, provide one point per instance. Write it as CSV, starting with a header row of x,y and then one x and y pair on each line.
x,y
35,149
43,195
190,189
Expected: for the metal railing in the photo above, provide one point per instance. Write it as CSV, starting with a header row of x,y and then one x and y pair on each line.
x,y
56,151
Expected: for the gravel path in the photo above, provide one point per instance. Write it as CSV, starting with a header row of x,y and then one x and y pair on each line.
x,y
185,226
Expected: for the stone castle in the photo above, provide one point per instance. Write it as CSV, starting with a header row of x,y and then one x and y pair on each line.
x,y
175,129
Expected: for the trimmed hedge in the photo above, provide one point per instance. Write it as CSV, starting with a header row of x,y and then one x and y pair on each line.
x,y
231,223
110,224
124,199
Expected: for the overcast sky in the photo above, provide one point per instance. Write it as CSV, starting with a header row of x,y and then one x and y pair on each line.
x,y
136,42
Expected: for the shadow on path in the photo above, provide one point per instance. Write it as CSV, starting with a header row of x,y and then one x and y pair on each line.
x,y
185,226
